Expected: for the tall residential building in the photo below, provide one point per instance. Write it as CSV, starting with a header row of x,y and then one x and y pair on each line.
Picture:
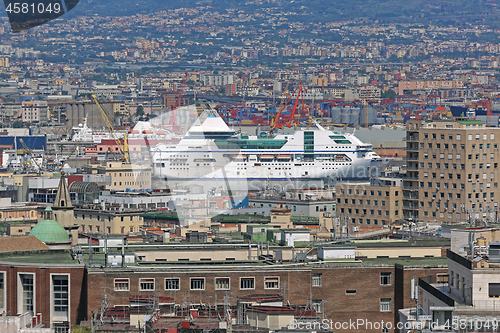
x,y
123,176
371,205
452,170
34,111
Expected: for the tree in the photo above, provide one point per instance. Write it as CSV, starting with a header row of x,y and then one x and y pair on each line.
x,y
17,124
140,111
390,94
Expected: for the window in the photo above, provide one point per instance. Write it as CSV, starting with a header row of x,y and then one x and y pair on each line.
x,y
172,284
61,295
385,278
146,284
197,283
247,283
494,289
222,283
385,304
122,284
271,283
316,280
26,291
317,305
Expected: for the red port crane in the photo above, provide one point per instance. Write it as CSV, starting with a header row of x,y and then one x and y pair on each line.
x,y
178,100
275,123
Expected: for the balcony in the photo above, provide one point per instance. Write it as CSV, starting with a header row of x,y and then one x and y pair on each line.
x,y
411,148
412,206
412,138
410,197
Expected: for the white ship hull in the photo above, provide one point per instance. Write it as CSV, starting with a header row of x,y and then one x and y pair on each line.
x,y
306,156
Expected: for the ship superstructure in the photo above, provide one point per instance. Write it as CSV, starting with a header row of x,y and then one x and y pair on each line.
x,y
212,151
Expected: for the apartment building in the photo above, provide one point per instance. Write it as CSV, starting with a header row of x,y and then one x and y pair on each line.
x,y
426,85
34,111
334,291
452,170
48,284
471,295
108,221
372,204
123,176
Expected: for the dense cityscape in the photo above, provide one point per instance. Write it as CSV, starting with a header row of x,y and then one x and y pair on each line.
x,y
264,166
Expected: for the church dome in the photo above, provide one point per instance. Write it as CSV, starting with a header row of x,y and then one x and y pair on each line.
x,y
50,231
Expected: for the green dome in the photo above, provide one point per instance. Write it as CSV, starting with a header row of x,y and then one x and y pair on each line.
x,y
50,231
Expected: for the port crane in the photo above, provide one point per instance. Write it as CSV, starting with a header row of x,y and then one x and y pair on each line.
x,y
299,90
123,150
28,151
178,99
283,97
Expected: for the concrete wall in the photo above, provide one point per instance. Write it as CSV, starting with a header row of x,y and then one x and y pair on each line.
x,y
211,253
325,253
395,252
460,281
481,278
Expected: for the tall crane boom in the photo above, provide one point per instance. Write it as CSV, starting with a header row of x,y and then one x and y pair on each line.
x,y
181,90
122,149
274,123
178,99
28,151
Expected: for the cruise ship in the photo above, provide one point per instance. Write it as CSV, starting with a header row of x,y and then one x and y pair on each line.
x,y
211,151
83,133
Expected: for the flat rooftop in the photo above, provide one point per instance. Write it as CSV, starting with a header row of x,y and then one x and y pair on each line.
x,y
49,257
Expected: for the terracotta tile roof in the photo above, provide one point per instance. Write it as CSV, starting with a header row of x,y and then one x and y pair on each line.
x,y
21,243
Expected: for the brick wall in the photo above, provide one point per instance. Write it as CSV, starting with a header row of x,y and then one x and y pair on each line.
x,y
42,285
295,285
